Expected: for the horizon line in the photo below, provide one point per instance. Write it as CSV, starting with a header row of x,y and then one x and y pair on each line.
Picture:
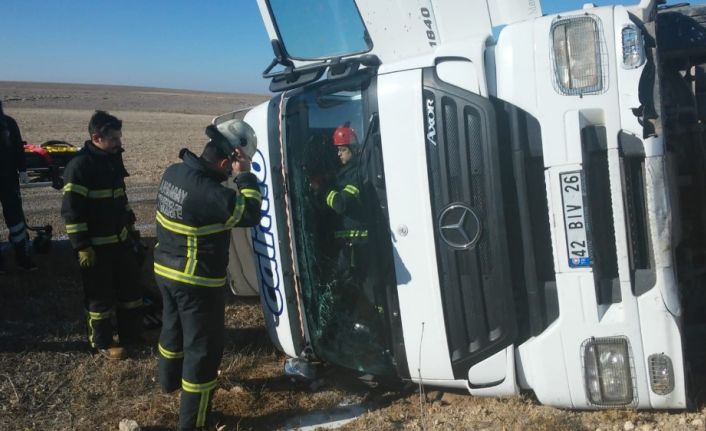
x,y
143,87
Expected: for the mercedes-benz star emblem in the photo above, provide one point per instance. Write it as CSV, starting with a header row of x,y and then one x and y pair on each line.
x,y
459,226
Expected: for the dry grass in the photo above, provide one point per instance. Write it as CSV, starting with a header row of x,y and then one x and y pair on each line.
x,y
50,380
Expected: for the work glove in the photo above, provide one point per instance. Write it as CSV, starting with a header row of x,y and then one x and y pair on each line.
x,y
24,178
87,257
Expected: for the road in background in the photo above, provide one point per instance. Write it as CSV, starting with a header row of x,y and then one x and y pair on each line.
x,y
42,206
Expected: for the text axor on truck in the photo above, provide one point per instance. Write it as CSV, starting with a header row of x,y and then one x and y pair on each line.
x,y
533,202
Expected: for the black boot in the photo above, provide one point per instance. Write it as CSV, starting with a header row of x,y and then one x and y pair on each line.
x,y
24,262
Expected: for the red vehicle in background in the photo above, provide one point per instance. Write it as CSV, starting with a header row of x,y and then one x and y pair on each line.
x,y
46,162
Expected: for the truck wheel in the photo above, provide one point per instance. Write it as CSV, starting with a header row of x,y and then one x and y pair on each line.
x,y
681,32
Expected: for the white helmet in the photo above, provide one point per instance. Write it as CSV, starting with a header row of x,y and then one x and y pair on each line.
x,y
237,134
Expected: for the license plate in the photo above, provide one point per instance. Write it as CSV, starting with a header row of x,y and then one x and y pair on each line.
x,y
574,219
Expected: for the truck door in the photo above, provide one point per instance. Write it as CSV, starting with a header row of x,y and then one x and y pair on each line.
x,y
270,241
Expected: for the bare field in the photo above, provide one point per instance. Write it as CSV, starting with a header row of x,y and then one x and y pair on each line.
x,y
119,98
151,140
50,381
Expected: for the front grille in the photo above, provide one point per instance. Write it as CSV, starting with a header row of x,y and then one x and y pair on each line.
x,y
463,173
527,219
632,156
601,232
474,136
636,214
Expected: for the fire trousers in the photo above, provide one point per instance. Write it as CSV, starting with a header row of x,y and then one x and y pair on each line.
x,y
12,209
191,346
112,291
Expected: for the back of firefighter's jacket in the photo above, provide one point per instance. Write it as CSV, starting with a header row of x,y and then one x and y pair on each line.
x,y
195,213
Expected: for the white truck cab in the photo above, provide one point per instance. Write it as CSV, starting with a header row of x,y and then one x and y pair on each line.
x,y
528,200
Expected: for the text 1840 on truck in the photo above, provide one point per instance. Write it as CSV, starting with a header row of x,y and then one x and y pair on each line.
x,y
472,194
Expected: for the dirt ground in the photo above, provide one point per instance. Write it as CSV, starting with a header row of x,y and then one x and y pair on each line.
x,y
49,380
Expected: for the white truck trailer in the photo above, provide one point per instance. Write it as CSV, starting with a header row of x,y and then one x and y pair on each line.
x,y
534,200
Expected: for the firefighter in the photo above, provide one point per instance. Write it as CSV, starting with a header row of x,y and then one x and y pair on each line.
x,y
12,172
353,275
101,224
195,213
355,278
346,200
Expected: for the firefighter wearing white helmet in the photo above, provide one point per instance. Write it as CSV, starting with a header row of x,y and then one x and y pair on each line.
x,y
195,213
240,135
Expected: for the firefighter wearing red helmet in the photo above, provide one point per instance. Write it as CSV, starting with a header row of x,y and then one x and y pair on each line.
x,y
354,278
344,198
347,199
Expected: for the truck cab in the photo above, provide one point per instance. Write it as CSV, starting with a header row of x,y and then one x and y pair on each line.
x,y
518,184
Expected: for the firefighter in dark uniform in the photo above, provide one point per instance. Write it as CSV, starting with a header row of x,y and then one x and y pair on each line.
x,y
12,172
345,199
354,275
195,214
100,224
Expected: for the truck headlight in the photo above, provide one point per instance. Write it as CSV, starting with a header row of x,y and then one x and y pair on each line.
x,y
661,374
633,47
577,54
607,371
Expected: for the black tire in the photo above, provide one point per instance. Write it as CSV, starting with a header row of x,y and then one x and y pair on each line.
x,y
681,33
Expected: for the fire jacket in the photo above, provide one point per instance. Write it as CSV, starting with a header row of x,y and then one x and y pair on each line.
x,y
95,207
345,199
195,214
12,157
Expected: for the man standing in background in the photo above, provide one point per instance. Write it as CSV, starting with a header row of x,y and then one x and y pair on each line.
x,y
12,172
100,224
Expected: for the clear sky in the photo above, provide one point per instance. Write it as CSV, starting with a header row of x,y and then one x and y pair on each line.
x,y
214,45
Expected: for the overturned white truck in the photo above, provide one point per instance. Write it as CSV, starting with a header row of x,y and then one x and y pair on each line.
x,y
533,203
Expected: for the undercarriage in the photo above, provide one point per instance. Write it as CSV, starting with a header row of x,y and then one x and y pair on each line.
x,y
681,38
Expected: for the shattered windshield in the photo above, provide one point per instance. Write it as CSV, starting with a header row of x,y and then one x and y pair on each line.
x,y
343,247
319,29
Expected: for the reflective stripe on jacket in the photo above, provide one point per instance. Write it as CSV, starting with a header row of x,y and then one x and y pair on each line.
x,y
195,213
346,200
94,205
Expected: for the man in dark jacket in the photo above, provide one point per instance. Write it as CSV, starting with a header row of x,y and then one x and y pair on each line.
x,y
355,275
195,213
12,172
100,224
345,199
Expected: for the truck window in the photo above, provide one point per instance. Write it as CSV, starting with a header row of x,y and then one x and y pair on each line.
x,y
342,245
315,29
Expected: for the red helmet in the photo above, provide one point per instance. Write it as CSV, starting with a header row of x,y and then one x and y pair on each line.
x,y
344,135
